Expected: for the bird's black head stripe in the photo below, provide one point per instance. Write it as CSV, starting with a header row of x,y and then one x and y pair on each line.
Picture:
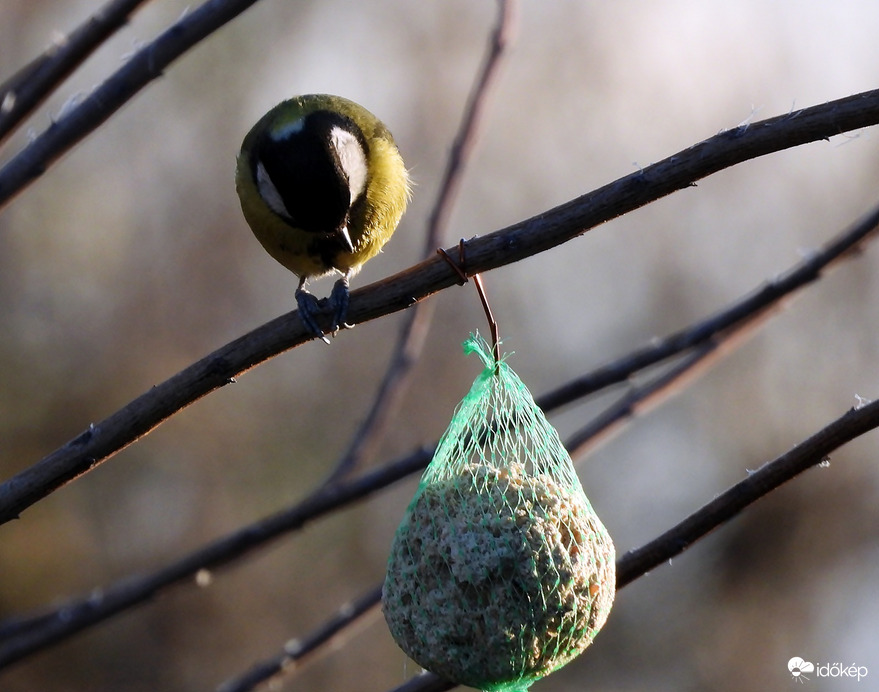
x,y
304,168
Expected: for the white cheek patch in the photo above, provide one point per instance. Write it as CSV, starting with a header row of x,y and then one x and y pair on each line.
x,y
352,159
269,192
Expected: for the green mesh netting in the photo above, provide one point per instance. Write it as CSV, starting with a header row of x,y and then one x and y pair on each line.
x,y
500,571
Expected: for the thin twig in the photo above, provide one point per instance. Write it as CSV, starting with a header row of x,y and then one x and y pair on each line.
x,y
462,147
461,270
413,333
715,342
549,229
297,652
637,400
22,638
636,563
26,635
32,84
766,298
143,67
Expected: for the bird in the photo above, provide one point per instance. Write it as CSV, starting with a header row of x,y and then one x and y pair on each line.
x,y
323,186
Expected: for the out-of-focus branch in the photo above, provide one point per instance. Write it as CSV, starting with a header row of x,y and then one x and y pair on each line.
x,y
637,563
538,234
425,682
143,67
811,452
705,342
639,398
468,133
297,652
765,299
32,84
413,333
21,637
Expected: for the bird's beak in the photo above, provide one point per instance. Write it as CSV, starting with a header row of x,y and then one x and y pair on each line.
x,y
347,238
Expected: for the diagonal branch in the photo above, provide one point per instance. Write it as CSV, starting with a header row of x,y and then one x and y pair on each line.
x,y
809,453
32,84
636,563
765,299
705,341
18,639
540,233
25,635
462,147
143,67
297,653
636,400
413,334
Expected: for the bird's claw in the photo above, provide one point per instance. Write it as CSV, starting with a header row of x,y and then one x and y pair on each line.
x,y
340,297
308,308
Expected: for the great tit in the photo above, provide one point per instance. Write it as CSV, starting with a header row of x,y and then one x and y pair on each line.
x,y
323,186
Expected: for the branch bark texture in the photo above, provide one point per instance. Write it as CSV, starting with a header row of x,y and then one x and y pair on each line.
x,y
537,234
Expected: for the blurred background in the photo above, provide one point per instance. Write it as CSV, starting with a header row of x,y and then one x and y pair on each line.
x,y
130,259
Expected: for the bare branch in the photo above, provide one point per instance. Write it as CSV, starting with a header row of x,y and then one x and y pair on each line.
x,y
540,233
413,333
734,322
32,84
637,563
468,132
23,637
143,67
26,635
296,653
811,452
638,399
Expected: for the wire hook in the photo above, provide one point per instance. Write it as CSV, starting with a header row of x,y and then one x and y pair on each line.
x,y
480,289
